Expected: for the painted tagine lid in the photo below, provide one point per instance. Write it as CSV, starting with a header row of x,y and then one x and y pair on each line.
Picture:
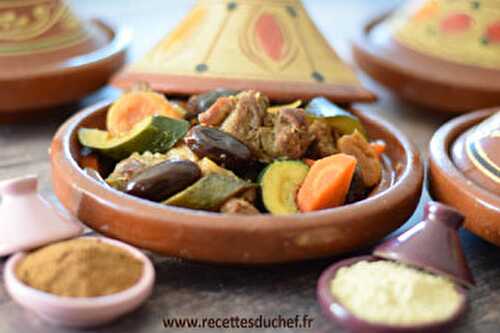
x,y
268,45
436,53
477,153
459,31
50,56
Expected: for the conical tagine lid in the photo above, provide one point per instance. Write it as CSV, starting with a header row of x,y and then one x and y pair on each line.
x,y
432,245
28,221
477,154
267,45
459,31
36,35
49,56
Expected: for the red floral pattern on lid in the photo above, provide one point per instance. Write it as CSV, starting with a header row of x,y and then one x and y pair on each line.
x,y
493,33
456,23
270,36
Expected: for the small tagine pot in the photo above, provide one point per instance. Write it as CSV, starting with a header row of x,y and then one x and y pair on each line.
x,y
49,56
266,45
464,170
441,54
433,245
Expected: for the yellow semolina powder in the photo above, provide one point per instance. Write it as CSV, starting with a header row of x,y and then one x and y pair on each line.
x,y
80,268
386,292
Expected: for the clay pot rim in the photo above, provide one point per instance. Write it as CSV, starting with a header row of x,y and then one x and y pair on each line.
x,y
364,43
18,289
439,156
403,187
118,42
336,312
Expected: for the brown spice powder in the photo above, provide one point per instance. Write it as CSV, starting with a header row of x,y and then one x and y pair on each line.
x,y
80,268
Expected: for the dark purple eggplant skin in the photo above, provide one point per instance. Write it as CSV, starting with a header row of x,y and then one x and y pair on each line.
x,y
163,180
357,191
336,312
201,103
220,147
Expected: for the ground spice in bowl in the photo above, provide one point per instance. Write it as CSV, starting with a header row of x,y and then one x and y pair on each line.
x,y
386,292
80,268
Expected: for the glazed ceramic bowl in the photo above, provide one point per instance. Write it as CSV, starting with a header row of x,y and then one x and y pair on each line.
x,y
335,311
257,239
81,312
448,184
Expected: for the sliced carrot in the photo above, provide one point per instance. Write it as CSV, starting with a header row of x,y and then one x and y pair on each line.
x,y
134,106
378,146
327,183
309,162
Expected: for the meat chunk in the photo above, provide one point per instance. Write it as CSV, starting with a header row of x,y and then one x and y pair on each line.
x,y
249,195
369,165
131,166
290,137
268,136
324,140
218,112
238,206
245,120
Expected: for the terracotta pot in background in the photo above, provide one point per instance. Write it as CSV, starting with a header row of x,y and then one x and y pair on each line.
x,y
48,56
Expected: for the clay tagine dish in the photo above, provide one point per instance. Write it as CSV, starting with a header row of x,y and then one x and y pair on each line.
x,y
270,46
464,170
441,54
224,237
49,56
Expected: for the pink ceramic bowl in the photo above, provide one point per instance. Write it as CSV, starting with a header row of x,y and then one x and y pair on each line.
x,y
81,312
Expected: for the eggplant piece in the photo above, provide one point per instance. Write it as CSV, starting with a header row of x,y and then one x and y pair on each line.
x,y
209,193
200,103
339,119
163,180
220,147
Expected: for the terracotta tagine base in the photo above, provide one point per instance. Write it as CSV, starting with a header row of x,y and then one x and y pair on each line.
x,y
440,54
464,171
257,239
267,45
50,57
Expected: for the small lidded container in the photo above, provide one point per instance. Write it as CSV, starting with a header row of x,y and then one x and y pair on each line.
x,y
76,282
464,170
415,282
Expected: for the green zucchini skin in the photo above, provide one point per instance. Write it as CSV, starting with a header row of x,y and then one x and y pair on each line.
x,y
280,182
156,134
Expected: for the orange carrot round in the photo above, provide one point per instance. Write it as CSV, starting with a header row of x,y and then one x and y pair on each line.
x,y
134,106
327,183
